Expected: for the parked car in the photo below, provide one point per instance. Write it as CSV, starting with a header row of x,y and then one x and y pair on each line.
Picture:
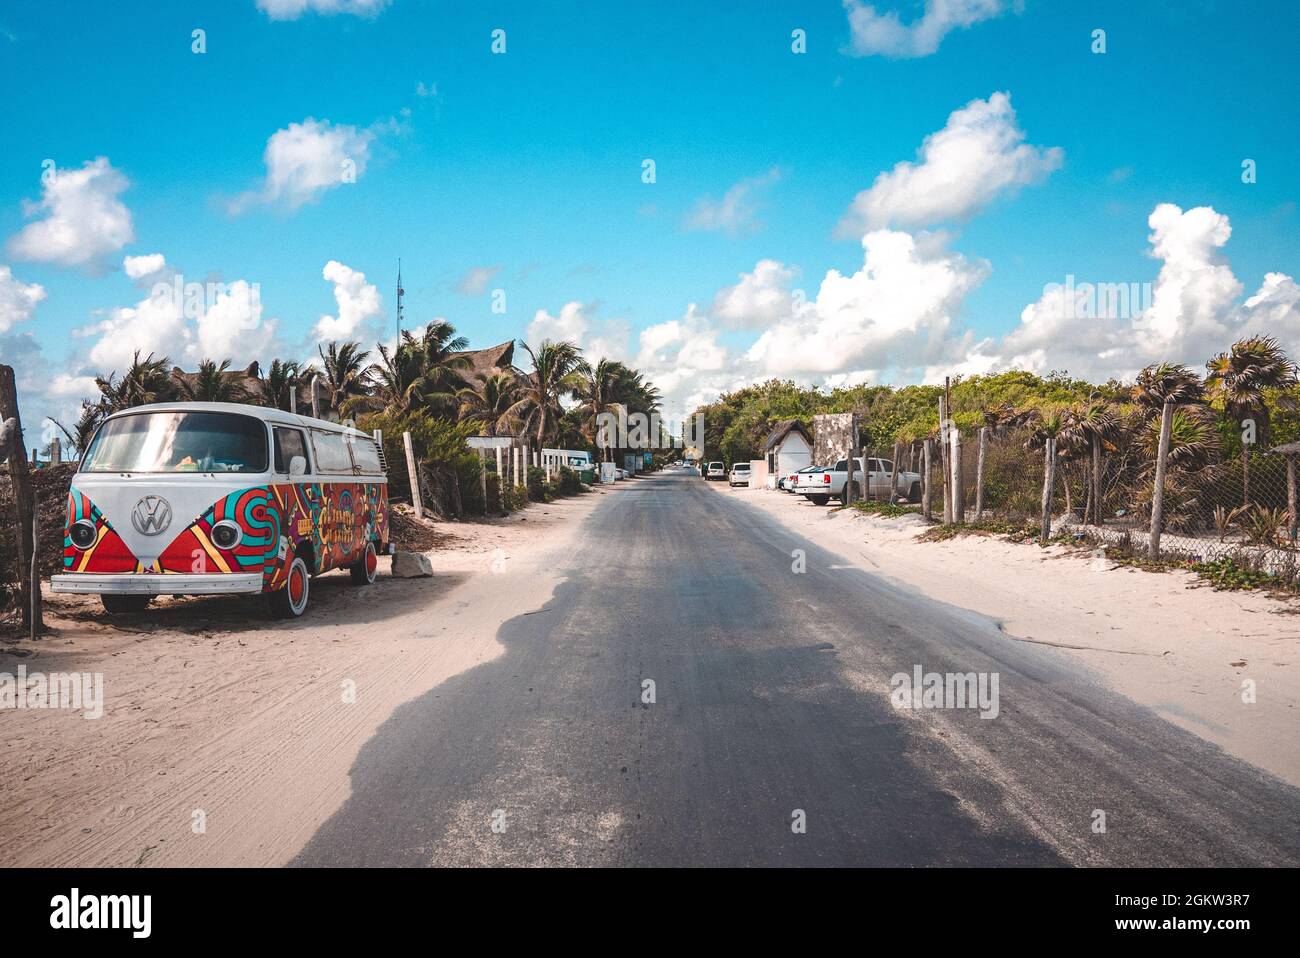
x,y
715,470
822,485
739,475
788,483
221,498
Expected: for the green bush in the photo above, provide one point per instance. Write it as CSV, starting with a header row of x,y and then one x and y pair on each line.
x,y
569,484
536,479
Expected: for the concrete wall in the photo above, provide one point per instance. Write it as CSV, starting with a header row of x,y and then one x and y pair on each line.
x,y
834,434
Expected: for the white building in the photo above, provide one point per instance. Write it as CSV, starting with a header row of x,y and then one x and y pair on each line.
x,y
787,450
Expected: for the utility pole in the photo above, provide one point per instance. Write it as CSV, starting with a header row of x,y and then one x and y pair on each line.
x,y
400,293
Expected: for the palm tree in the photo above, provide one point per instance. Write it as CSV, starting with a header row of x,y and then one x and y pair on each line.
x,y
395,381
211,384
145,381
601,391
489,403
442,371
558,368
1053,425
1093,426
1163,381
83,430
280,383
344,371
1240,378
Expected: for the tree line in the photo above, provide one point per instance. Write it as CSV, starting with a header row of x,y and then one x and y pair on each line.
x,y
426,381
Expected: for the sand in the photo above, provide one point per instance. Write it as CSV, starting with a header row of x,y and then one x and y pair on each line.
x,y
1163,639
241,723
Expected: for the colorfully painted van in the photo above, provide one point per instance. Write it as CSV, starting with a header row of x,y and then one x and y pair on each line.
x,y
221,498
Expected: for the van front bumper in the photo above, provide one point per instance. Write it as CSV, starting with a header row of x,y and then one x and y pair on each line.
x,y
127,583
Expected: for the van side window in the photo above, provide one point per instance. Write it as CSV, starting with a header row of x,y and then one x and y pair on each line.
x,y
365,455
289,443
331,452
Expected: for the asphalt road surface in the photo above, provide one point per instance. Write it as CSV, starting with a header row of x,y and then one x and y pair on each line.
x,y
771,707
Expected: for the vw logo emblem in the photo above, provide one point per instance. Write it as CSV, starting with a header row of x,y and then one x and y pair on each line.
x,y
151,515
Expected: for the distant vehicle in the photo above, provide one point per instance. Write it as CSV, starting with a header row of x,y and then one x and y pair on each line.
x,y
822,485
624,474
787,483
739,475
715,470
221,498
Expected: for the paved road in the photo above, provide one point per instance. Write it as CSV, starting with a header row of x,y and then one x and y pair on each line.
x,y
771,696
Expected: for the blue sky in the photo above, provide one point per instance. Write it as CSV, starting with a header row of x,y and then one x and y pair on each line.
x,y
527,166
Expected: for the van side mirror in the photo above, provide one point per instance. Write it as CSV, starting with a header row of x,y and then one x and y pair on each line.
x,y
297,466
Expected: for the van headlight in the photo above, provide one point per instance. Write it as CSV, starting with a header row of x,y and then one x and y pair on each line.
x,y
226,534
83,534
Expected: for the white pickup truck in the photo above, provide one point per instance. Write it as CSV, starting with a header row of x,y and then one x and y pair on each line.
x,y
820,486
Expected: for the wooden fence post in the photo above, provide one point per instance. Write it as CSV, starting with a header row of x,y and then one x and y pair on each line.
x,y
1158,500
416,500
944,467
979,473
315,396
925,478
848,479
482,476
1291,498
1049,479
1096,481
958,490
24,504
893,474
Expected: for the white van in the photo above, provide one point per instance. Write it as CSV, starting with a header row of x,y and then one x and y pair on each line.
x,y
206,498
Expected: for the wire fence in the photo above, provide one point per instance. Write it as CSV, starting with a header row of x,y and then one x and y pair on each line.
x,y
1238,504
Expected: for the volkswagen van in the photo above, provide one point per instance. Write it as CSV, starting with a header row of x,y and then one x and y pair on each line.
x,y
221,498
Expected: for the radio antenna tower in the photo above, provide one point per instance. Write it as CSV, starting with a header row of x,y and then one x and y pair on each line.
x,y
400,293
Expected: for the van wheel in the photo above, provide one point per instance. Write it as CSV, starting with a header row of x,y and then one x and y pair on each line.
x,y
115,604
290,601
363,571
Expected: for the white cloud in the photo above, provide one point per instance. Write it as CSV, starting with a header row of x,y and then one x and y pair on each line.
x,y
293,9
232,325
155,325
142,267
84,221
17,299
735,212
886,34
184,321
571,324
978,155
358,303
898,310
758,300
476,279
1191,314
424,90
306,159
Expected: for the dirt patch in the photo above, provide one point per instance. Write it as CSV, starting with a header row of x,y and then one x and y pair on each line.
x,y
215,713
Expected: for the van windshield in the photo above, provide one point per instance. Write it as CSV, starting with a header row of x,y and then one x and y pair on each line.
x,y
178,442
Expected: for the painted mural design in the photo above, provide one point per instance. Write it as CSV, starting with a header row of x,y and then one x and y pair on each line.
x,y
337,519
108,554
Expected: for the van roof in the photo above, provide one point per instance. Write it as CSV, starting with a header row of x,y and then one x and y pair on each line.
x,y
265,413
